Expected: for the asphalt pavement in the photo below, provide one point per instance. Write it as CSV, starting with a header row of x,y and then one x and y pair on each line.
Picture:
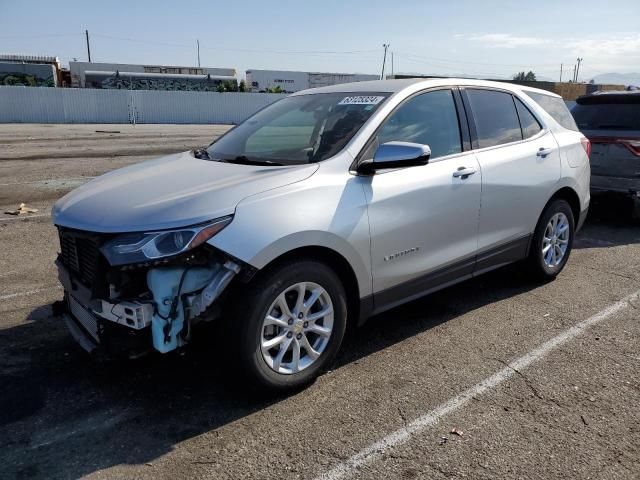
x,y
497,377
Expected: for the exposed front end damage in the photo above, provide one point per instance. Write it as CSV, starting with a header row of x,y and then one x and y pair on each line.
x,y
129,310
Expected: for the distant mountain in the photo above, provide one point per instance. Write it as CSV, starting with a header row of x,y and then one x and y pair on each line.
x,y
618,78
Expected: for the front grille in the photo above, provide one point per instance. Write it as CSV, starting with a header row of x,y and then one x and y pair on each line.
x,y
80,253
84,316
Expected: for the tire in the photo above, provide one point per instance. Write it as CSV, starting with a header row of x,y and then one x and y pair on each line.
x,y
264,297
544,266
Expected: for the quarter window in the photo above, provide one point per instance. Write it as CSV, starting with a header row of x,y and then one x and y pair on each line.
x,y
555,107
429,119
528,122
495,117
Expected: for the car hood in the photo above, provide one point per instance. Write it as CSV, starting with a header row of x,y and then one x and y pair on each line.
x,y
168,192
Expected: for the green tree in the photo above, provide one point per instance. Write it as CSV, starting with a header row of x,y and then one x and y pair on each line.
x,y
525,77
276,89
231,86
242,87
221,88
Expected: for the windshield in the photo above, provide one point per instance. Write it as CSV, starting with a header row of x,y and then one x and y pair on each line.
x,y
298,129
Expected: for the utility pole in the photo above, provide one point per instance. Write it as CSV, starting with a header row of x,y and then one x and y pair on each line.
x,y
392,72
384,59
198,44
574,74
578,69
560,73
86,33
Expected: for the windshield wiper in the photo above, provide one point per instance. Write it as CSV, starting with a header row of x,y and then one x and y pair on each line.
x,y
244,160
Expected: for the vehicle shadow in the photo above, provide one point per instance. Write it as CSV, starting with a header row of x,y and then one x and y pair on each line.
x,y
64,415
609,224
57,404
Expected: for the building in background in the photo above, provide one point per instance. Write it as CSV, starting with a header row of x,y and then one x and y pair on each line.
x,y
151,77
289,82
30,71
569,91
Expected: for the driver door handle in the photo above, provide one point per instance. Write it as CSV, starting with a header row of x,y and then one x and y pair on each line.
x,y
464,172
543,152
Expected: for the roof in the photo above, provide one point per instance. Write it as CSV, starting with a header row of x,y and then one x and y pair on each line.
x,y
28,58
616,92
394,86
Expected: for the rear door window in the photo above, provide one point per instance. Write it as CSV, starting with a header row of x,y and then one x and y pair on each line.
x,y
555,107
495,117
528,122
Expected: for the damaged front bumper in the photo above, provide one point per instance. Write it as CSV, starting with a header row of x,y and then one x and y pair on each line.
x,y
176,297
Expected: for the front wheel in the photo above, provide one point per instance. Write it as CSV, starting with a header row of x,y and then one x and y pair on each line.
x,y
293,325
552,240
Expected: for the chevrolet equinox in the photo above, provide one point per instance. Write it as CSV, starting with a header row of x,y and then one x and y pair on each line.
x,y
320,210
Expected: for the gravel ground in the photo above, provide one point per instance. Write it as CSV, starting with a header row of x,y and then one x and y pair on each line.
x,y
573,413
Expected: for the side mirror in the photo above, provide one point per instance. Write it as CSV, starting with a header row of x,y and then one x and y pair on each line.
x,y
397,155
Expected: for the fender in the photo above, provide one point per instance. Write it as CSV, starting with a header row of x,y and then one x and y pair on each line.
x,y
326,210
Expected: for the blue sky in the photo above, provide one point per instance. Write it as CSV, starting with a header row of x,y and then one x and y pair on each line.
x,y
483,38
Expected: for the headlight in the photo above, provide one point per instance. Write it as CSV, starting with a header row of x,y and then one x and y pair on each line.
x,y
142,247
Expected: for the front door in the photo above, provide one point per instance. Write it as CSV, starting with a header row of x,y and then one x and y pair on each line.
x,y
423,220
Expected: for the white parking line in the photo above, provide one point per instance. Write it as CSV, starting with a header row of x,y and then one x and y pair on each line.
x,y
28,292
22,217
377,449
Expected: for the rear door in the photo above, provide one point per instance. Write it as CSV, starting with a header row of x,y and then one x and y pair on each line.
x,y
520,164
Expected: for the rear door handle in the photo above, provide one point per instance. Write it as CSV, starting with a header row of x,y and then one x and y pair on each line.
x,y
464,172
543,152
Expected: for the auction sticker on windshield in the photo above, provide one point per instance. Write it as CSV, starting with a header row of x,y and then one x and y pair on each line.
x,y
361,100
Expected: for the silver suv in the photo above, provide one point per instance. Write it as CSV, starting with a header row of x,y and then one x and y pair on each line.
x,y
320,210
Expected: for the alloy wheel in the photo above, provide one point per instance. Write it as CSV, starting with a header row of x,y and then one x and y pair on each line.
x,y
297,328
555,240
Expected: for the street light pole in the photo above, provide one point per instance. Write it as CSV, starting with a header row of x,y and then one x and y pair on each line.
x,y
578,68
384,59
560,73
86,33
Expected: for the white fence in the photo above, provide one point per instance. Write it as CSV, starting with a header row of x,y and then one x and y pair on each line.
x,y
72,105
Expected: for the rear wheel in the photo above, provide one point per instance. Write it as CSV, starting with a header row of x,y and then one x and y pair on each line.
x,y
293,324
552,240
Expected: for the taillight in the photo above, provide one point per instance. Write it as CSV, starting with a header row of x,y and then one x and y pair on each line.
x,y
632,145
586,144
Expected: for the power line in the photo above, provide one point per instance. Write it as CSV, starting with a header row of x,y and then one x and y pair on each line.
x,y
443,60
283,52
46,35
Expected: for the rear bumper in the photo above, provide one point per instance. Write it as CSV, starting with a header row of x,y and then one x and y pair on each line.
x,y
615,184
